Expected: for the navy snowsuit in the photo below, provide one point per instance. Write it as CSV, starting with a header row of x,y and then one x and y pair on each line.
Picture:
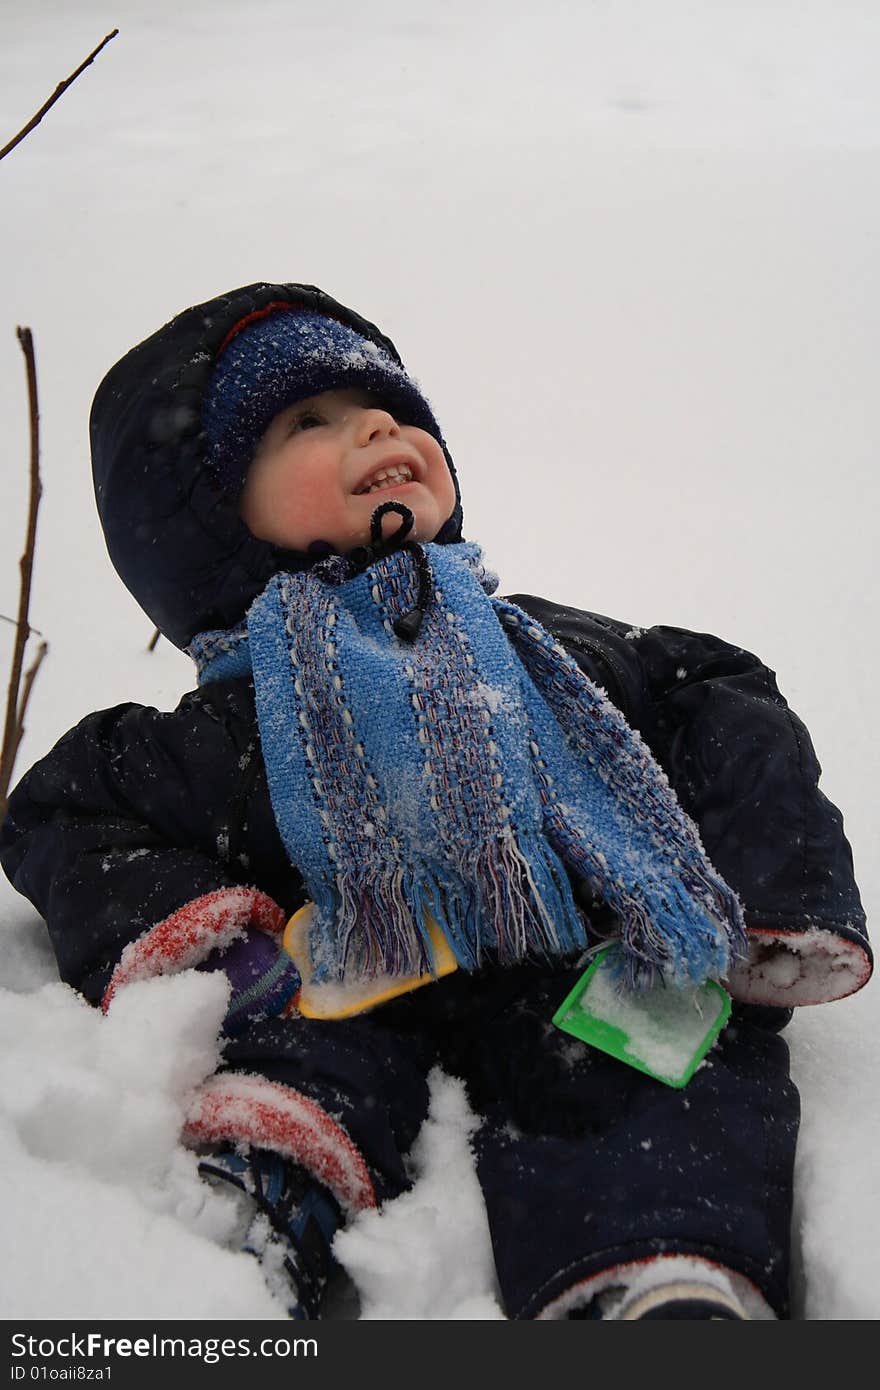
x,y
141,823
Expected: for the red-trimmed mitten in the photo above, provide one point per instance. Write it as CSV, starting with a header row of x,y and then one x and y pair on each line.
x,y
264,979
233,929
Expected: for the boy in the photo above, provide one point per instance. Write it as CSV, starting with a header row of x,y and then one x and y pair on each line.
x,y
442,777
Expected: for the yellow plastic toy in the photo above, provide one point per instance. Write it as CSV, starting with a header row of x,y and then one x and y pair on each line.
x,y
342,998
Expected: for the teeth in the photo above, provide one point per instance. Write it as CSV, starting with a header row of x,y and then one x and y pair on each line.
x,y
387,477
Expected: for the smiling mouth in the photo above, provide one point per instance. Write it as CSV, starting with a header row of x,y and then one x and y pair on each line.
x,y
395,475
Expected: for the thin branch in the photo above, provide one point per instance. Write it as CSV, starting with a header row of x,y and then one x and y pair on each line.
x,y
30,676
12,623
59,90
12,731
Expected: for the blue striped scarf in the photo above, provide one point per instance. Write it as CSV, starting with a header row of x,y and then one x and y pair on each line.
x,y
465,773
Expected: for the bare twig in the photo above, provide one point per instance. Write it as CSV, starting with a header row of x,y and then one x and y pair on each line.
x,y
154,640
15,706
25,690
13,623
59,90
30,676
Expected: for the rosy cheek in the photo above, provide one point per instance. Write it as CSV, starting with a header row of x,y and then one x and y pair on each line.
x,y
444,487
311,494
254,507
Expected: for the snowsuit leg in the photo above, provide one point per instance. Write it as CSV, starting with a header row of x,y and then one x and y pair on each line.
x,y
368,1074
369,1083
586,1163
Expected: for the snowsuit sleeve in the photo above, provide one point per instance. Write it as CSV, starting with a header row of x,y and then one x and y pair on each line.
x,y
127,826
743,766
147,842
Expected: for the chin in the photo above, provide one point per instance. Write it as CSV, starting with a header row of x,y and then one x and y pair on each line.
x,y
423,530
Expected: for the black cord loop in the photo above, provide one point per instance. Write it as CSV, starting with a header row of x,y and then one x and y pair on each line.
x,y
337,569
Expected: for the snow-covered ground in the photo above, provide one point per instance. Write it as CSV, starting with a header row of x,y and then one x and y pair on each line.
x,y
630,249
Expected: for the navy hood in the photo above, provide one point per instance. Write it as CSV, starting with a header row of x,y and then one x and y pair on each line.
x,y
171,525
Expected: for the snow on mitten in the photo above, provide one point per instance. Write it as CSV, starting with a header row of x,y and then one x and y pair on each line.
x,y
232,928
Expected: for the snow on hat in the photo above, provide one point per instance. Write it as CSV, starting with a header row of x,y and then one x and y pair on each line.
x,y
285,353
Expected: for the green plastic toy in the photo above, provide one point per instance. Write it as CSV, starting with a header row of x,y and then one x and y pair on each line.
x,y
664,1031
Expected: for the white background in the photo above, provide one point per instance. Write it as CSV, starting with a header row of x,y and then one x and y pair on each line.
x,y
629,249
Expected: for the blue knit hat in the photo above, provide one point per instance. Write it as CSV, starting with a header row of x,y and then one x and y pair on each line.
x,y
285,353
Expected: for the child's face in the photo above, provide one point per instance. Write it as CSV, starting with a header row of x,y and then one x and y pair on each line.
x,y
325,464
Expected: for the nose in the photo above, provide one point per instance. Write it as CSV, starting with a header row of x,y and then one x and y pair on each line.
x,y
374,423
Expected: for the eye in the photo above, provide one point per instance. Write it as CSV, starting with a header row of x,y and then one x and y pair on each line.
x,y
308,420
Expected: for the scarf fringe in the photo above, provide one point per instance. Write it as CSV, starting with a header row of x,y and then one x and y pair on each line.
x,y
672,938
368,925
509,902
513,902
684,929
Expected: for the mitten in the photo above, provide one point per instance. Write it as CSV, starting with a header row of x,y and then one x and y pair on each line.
x,y
264,979
236,929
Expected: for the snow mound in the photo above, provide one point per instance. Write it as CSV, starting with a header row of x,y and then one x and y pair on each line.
x,y
427,1255
110,1218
